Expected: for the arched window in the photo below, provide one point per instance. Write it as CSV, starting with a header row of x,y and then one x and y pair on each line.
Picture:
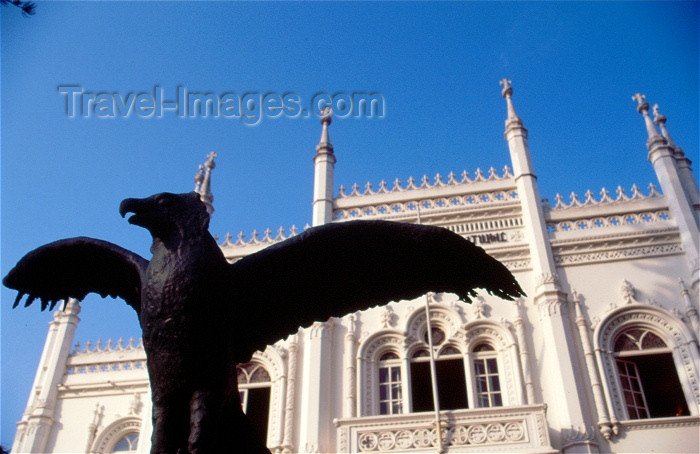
x,y
127,444
449,370
486,379
390,395
254,385
648,377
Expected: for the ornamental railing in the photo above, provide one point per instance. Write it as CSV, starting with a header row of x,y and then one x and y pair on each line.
x,y
502,429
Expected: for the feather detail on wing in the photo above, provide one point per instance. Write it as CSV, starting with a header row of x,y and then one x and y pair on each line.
x,y
344,267
74,267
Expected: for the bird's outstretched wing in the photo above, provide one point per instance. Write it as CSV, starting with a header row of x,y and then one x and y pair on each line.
x,y
340,268
74,267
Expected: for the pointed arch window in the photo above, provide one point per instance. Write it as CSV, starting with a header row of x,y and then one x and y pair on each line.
x,y
648,377
254,386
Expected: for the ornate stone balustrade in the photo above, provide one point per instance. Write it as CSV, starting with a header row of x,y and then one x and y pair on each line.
x,y
267,237
634,212
424,205
511,429
106,357
452,180
410,201
605,198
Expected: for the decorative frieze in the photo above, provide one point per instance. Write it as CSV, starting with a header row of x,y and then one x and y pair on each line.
x,y
506,428
625,246
612,221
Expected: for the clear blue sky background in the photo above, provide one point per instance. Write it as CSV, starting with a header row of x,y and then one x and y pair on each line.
x,y
574,67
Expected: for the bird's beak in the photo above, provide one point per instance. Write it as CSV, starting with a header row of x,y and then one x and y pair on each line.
x,y
132,206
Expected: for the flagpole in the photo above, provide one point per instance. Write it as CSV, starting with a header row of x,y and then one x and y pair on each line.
x,y
433,373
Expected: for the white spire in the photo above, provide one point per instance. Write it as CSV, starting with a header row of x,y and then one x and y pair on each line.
x,y
660,119
507,92
324,164
203,182
643,108
325,142
680,194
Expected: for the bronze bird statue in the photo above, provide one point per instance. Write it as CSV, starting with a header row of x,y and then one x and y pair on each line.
x,y
201,315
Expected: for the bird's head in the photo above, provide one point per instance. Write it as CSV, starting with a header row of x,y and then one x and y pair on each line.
x,y
168,216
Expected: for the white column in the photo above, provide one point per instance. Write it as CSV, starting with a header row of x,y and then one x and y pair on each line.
x,y
524,355
563,390
350,355
316,421
34,428
604,424
290,401
324,165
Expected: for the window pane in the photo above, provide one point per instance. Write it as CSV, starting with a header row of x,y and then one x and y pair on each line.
x,y
661,386
449,350
452,384
395,391
497,401
260,375
396,374
383,374
258,411
479,367
388,356
421,353
494,383
483,348
651,340
128,443
492,366
481,384
382,392
421,391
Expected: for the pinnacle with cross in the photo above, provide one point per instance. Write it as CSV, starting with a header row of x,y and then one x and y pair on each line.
x,y
507,89
210,159
326,113
641,104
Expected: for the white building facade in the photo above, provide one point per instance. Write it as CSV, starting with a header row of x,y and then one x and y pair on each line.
x,y
601,356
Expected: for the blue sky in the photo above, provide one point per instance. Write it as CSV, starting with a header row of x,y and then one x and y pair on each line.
x,y
574,68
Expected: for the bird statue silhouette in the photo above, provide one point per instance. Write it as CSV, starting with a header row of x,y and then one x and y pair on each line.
x,y
201,315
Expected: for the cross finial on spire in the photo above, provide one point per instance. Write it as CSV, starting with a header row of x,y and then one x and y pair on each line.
x,y
641,103
199,178
326,114
507,92
325,141
658,116
660,119
643,108
203,181
210,160
506,85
